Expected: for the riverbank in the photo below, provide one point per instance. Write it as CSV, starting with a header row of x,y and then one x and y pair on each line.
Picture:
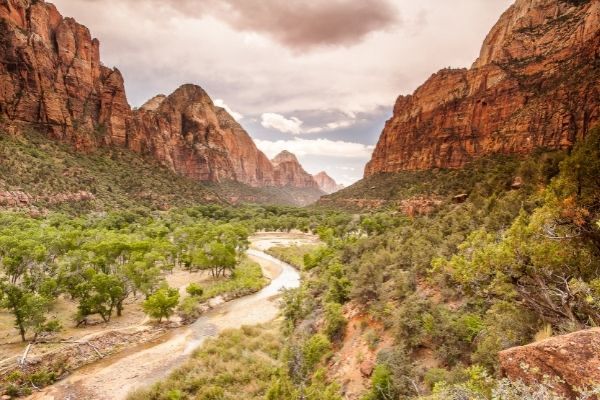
x,y
139,365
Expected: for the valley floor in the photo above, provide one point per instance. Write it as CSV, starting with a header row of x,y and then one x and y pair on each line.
x,y
140,365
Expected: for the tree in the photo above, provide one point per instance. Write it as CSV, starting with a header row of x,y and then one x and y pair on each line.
x,y
335,322
216,257
162,303
100,294
28,308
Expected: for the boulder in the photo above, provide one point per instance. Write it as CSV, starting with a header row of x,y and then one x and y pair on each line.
x,y
572,358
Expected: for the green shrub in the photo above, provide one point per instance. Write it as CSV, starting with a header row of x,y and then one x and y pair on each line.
x,y
335,322
314,350
194,290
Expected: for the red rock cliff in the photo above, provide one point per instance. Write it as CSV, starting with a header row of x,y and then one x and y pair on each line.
x,y
535,84
51,78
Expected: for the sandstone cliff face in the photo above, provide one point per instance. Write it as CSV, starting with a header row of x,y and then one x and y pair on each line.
x,y
289,172
188,133
51,78
573,358
536,84
326,183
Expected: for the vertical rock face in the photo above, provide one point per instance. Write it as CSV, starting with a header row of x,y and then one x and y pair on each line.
x,y
535,85
289,172
326,183
51,77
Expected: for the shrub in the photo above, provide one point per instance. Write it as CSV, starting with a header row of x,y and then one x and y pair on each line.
x,y
314,350
194,290
162,303
335,322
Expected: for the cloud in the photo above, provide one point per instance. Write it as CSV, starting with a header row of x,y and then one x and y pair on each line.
x,y
316,147
220,103
305,24
295,125
297,24
282,124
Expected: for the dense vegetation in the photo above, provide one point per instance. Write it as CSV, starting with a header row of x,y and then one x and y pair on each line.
x,y
504,268
118,179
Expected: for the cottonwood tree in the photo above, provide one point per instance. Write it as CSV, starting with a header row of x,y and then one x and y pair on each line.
x,y
162,303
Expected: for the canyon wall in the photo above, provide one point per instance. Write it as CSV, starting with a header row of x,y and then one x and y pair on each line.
x,y
535,85
289,172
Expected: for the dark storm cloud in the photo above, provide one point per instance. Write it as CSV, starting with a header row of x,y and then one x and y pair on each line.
x,y
297,24
302,24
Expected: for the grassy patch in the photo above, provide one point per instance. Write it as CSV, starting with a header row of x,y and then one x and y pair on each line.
x,y
293,255
247,278
238,364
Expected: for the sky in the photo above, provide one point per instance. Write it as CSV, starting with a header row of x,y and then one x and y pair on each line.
x,y
316,77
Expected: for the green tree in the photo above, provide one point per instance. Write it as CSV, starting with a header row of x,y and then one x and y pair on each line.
x,y
28,308
162,304
216,257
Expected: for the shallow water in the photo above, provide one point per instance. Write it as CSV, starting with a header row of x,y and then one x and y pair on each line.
x,y
114,377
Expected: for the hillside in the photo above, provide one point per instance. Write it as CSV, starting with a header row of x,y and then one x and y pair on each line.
x,y
114,178
402,189
38,174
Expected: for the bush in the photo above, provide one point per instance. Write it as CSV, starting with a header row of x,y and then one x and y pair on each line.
x,y
314,350
194,290
382,385
335,322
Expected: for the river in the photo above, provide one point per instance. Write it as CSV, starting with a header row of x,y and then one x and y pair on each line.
x,y
113,377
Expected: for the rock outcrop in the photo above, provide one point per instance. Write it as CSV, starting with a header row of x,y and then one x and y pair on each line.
x,y
572,359
535,85
327,183
51,79
289,172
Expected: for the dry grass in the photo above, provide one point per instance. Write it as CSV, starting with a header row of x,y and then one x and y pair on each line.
x,y
238,364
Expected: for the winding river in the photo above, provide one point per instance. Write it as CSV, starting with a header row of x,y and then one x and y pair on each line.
x,y
112,378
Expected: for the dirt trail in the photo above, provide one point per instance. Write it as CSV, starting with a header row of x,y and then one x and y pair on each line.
x,y
114,377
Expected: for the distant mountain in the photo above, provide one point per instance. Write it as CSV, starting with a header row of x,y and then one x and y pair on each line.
x,y
327,183
536,84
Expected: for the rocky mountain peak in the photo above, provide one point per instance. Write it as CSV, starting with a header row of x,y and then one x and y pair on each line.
x,y
289,172
51,79
327,183
285,157
153,103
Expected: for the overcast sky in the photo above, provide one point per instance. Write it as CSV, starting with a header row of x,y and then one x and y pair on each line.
x,y
316,77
